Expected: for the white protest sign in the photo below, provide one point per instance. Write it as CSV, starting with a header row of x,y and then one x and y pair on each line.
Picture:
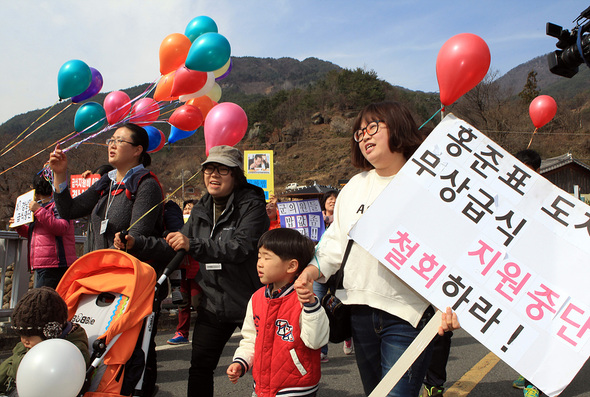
x,y
468,226
22,213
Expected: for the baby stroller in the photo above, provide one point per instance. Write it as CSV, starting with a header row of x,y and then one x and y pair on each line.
x,y
111,294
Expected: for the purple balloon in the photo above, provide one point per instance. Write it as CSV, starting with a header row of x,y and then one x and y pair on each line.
x,y
223,76
93,89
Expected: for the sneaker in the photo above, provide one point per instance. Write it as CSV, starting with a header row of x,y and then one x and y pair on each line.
x,y
518,383
531,391
177,340
430,391
348,347
324,358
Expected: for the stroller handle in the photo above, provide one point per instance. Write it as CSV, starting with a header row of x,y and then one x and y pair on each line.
x,y
174,263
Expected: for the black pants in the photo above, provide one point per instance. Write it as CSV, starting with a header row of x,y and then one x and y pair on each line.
x,y
209,338
437,370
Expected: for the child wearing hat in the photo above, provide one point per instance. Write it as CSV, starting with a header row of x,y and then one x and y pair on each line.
x,y
39,315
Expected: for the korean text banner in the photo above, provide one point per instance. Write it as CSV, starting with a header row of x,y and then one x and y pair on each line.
x,y
22,213
79,184
304,216
469,226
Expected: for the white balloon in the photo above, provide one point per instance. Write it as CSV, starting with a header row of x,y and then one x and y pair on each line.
x,y
52,368
215,93
203,91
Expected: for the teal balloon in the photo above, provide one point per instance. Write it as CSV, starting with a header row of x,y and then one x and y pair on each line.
x,y
91,115
209,52
199,25
177,134
73,78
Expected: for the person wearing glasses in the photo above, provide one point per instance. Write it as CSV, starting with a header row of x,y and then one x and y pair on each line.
x,y
121,197
386,314
222,234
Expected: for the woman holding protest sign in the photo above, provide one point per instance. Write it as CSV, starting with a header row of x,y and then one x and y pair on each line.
x,y
386,314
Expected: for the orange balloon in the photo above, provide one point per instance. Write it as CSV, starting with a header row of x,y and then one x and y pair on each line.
x,y
164,87
203,103
173,52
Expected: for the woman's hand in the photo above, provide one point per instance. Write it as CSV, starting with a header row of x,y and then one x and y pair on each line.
x,y
178,241
118,242
304,284
449,322
58,162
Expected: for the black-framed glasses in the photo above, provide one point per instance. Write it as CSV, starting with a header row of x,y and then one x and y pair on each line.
x,y
371,129
221,169
118,141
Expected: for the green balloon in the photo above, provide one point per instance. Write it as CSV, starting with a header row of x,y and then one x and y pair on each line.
x,y
91,115
73,78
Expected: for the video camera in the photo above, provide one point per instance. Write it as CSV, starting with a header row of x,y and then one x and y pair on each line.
x,y
574,46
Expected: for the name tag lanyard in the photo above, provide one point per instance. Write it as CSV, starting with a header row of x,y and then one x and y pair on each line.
x,y
110,199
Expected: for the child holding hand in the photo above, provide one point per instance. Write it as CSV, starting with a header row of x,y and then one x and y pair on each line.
x,y
281,339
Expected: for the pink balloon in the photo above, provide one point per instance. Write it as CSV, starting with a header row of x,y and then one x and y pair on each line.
x,y
542,110
116,105
461,64
144,112
225,124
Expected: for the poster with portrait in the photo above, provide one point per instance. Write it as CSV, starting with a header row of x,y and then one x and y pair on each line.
x,y
258,167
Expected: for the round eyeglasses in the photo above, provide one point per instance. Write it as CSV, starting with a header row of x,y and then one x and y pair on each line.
x,y
221,169
117,142
371,129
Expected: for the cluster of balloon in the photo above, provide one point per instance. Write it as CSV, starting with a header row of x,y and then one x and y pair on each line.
x,y
157,139
225,124
542,110
54,367
462,62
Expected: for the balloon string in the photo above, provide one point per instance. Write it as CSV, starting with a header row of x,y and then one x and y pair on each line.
x,y
531,141
35,155
32,132
427,121
164,200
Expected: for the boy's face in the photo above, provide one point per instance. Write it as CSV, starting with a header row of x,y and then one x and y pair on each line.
x,y
272,269
30,341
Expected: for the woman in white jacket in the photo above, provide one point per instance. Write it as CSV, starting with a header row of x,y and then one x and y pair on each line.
x,y
386,313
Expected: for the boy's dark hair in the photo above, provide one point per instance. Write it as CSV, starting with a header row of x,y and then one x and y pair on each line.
x,y
529,157
40,312
288,244
42,185
404,136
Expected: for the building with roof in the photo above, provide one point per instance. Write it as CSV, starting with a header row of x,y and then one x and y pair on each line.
x,y
566,172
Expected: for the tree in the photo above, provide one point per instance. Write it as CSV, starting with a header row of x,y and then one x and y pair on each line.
x,y
530,90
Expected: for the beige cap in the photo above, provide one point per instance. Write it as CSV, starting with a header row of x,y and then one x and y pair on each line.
x,y
226,155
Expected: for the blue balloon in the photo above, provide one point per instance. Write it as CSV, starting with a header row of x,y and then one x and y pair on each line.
x,y
154,136
177,134
91,115
199,25
73,78
209,52
93,89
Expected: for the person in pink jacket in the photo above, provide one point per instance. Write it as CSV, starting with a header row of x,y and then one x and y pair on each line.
x,y
51,243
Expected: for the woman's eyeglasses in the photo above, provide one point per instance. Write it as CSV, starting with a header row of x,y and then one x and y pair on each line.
x,y
117,142
221,169
371,129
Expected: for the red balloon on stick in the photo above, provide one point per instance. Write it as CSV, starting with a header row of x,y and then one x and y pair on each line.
x,y
461,64
186,118
542,110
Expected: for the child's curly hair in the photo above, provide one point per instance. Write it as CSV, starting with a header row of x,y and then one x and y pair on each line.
x,y
40,312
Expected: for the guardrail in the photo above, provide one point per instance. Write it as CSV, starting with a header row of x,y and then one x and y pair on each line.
x,y
13,258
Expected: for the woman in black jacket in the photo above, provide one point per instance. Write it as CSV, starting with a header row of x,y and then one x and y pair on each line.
x,y
222,234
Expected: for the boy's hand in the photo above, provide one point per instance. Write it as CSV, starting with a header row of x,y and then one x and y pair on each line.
x,y
449,322
234,371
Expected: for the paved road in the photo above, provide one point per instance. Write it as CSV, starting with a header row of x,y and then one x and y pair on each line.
x,y
340,376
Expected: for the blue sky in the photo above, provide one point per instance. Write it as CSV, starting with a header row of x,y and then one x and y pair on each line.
x,y
400,40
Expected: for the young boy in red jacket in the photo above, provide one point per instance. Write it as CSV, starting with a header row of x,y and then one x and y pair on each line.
x,y
281,339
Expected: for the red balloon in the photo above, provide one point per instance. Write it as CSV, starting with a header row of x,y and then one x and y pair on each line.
x,y
226,124
461,64
116,105
144,112
542,110
203,103
186,118
188,81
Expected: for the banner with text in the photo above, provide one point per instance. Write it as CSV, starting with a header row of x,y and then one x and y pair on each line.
x,y
79,184
469,226
304,216
22,213
258,166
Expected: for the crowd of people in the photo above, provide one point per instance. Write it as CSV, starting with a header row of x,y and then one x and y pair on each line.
x,y
243,270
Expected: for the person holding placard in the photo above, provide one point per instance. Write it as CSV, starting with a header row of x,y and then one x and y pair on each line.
x,y
51,240
386,314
